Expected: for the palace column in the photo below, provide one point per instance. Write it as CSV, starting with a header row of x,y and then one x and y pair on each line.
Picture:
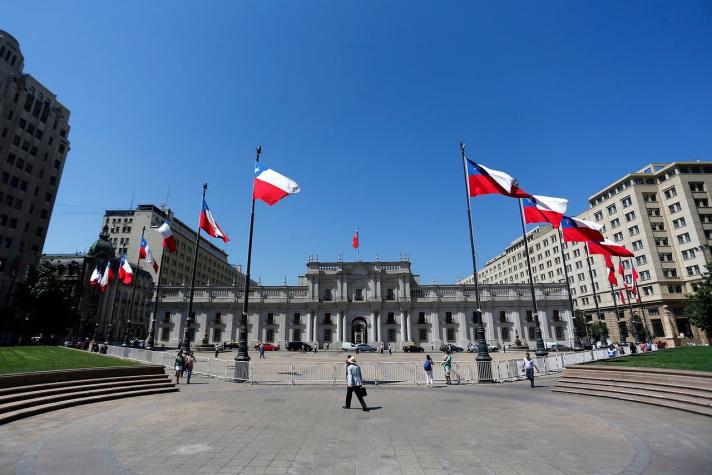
x,y
404,330
315,332
338,326
464,334
379,328
544,324
373,333
435,325
343,327
310,327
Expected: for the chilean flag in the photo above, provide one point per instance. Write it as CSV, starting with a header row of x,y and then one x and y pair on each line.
x,y
484,181
209,225
125,272
622,295
608,248
169,241
271,186
579,230
354,240
107,278
145,253
635,280
95,277
544,209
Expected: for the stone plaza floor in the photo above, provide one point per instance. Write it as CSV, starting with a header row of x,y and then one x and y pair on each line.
x,y
217,427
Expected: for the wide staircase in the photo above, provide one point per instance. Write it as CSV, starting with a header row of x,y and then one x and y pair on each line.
x,y
24,395
689,391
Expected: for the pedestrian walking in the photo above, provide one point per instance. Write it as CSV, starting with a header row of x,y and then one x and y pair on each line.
x,y
381,348
428,367
261,350
354,384
189,362
529,367
217,350
180,361
390,349
447,366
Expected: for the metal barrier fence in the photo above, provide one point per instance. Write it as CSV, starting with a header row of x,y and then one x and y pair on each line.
x,y
372,372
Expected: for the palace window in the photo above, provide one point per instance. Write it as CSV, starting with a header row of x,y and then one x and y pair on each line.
x,y
327,335
391,335
390,294
269,335
328,297
423,334
391,320
297,320
270,319
327,319
448,317
450,334
421,318
358,294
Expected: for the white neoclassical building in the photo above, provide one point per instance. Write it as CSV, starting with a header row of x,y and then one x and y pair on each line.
x,y
365,302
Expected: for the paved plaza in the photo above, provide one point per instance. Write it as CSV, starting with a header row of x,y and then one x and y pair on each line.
x,y
218,427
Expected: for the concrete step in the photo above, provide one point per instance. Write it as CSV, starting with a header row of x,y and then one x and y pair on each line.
x,y
79,394
79,382
687,399
693,408
53,406
109,383
639,386
684,379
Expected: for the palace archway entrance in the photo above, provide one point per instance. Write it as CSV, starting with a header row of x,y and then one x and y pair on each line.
x,y
359,331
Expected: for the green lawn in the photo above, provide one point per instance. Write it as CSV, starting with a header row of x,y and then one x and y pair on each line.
x,y
693,358
25,359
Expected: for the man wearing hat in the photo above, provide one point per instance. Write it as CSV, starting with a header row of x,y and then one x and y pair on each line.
x,y
354,384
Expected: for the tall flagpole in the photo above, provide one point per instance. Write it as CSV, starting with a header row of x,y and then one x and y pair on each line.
x,y
577,337
482,351
615,304
133,291
152,329
601,334
633,326
109,330
191,318
242,351
648,337
540,347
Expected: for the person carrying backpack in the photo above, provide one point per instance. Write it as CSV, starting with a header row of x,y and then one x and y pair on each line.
x,y
428,367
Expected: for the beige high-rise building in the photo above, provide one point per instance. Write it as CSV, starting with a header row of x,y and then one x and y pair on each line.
x,y
34,142
125,234
663,214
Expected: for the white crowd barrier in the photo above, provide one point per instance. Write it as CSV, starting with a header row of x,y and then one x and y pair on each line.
x,y
373,372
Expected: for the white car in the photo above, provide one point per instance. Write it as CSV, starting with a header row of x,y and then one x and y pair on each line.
x,y
347,346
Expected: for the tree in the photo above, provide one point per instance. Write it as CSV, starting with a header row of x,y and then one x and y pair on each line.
x,y
699,306
46,302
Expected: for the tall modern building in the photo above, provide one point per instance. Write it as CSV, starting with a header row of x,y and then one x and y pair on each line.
x,y
663,214
34,131
125,227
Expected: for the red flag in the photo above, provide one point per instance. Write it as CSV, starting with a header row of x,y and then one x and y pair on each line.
x,y
484,181
354,240
169,242
608,247
208,224
612,277
620,292
621,271
106,278
125,272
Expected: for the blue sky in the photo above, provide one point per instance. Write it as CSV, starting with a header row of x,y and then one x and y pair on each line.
x,y
363,104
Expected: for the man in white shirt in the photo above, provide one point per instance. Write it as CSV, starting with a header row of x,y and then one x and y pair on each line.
x,y
528,368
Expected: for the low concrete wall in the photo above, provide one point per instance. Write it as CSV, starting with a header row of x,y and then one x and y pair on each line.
x,y
40,377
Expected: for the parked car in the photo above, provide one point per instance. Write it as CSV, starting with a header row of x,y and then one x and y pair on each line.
x,y
559,347
413,349
347,346
268,346
299,346
452,348
365,347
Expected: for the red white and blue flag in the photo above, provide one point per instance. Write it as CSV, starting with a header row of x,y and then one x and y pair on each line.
x,y
106,278
608,248
354,240
95,277
125,272
485,181
209,225
169,242
579,230
145,253
271,186
544,209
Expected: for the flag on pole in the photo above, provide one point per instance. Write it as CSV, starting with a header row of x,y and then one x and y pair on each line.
x,y
126,274
145,253
635,280
209,225
95,277
169,241
579,230
609,248
485,181
354,240
107,277
622,296
544,209
612,276
270,186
